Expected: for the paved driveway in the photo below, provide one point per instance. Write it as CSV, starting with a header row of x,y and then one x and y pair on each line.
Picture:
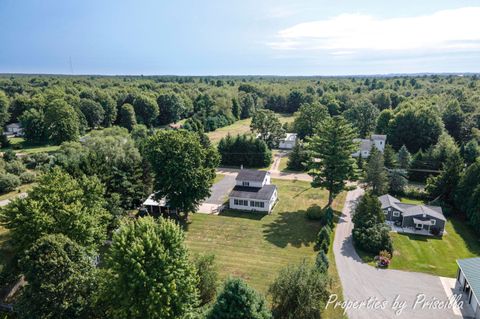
x,y
361,281
221,190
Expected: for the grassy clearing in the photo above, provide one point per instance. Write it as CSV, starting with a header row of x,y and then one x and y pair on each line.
x,y
19,145
411,201
21,189
255,247
241,127
436,256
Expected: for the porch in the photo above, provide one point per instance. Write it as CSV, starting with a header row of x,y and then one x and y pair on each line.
x,y
409,230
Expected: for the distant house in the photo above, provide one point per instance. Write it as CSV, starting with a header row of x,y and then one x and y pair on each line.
x,y
420,219
366,145
288,142
154,207
253,191
468,282
14,129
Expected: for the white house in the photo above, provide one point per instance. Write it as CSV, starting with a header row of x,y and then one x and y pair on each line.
x,y
253,191
13,129
468,282
366,145
288,142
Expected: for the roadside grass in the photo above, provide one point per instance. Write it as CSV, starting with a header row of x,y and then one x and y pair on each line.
x,y
241,127
435,256
19,145
255,246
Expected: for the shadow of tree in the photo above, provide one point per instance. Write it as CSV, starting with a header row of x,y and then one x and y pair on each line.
x,y
242,214
466,232
291,228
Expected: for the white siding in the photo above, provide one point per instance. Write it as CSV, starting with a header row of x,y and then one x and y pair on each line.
x,y
266,205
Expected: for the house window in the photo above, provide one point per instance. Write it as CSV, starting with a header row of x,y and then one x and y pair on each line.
x,y
252,203
245,183
433,221
235,201
396,214
389,209
262,204
418,226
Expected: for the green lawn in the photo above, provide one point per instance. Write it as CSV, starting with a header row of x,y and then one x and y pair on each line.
x,y
19,145
255,247
434,255
241,127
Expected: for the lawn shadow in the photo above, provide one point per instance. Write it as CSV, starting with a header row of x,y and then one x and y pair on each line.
x,y
291,228
243,214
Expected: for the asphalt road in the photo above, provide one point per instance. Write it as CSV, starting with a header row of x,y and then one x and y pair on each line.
x,y
361,282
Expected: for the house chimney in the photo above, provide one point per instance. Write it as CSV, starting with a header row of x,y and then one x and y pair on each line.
x,y
241,166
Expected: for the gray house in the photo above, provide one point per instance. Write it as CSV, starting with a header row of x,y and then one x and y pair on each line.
x,y
468,282
420,219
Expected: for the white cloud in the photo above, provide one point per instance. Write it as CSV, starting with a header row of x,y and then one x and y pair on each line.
x,y
348,34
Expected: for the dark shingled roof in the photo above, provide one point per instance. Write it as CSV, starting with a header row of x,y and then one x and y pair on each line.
x,y
264,193
251,175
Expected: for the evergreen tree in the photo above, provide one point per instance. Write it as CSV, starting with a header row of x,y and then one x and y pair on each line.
x,y
389,157
397,180
236,109
298,157
375,174
238,300
404,158
331,162
322,262
444,185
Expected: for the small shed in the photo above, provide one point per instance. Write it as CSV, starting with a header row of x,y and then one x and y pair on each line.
x,y
288,142
156,207
14,129
468,280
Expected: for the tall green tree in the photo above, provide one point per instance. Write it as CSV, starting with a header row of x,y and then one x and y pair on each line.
x,y
331,150
363,116
146,109
33,124
150,272
61,280
453,119
183,168
375,173
4,105
59,204
268,126
61,122
208,277
126,116
171,108
299,291
443,186
383,121
308,117
238,300
93,112
389,156
404,158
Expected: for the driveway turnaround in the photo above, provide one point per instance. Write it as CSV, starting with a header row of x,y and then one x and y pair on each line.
x,y
219,194
384,293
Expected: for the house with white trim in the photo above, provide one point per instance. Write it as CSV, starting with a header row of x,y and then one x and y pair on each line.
x,y
288,142
253,191
365,145
468,282
421,219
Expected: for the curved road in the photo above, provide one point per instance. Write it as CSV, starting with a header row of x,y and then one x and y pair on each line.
x,y
361,281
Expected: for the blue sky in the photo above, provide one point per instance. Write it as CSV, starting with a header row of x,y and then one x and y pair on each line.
x,y
270,37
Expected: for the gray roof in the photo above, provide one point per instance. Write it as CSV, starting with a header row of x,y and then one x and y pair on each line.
x,y
251,175
471,269
378,137
263,193
411,209
365,145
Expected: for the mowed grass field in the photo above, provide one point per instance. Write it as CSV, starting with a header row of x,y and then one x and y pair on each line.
x,y
434,255
241,127
255,247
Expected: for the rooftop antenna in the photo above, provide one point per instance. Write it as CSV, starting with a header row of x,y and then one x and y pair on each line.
x,y
71,64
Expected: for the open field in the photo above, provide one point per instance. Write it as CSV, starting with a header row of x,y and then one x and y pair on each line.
x,y
241,127
19,145
255,247
434,255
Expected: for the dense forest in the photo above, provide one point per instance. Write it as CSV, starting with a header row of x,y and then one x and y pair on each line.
x,y
118,139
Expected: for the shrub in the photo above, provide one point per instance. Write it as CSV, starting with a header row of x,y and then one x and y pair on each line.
x,y
299,291
4,141
315,212
9,155
322,262
8,182
208,275
35,160
27,177
15,167
244,150
373,239
327,217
